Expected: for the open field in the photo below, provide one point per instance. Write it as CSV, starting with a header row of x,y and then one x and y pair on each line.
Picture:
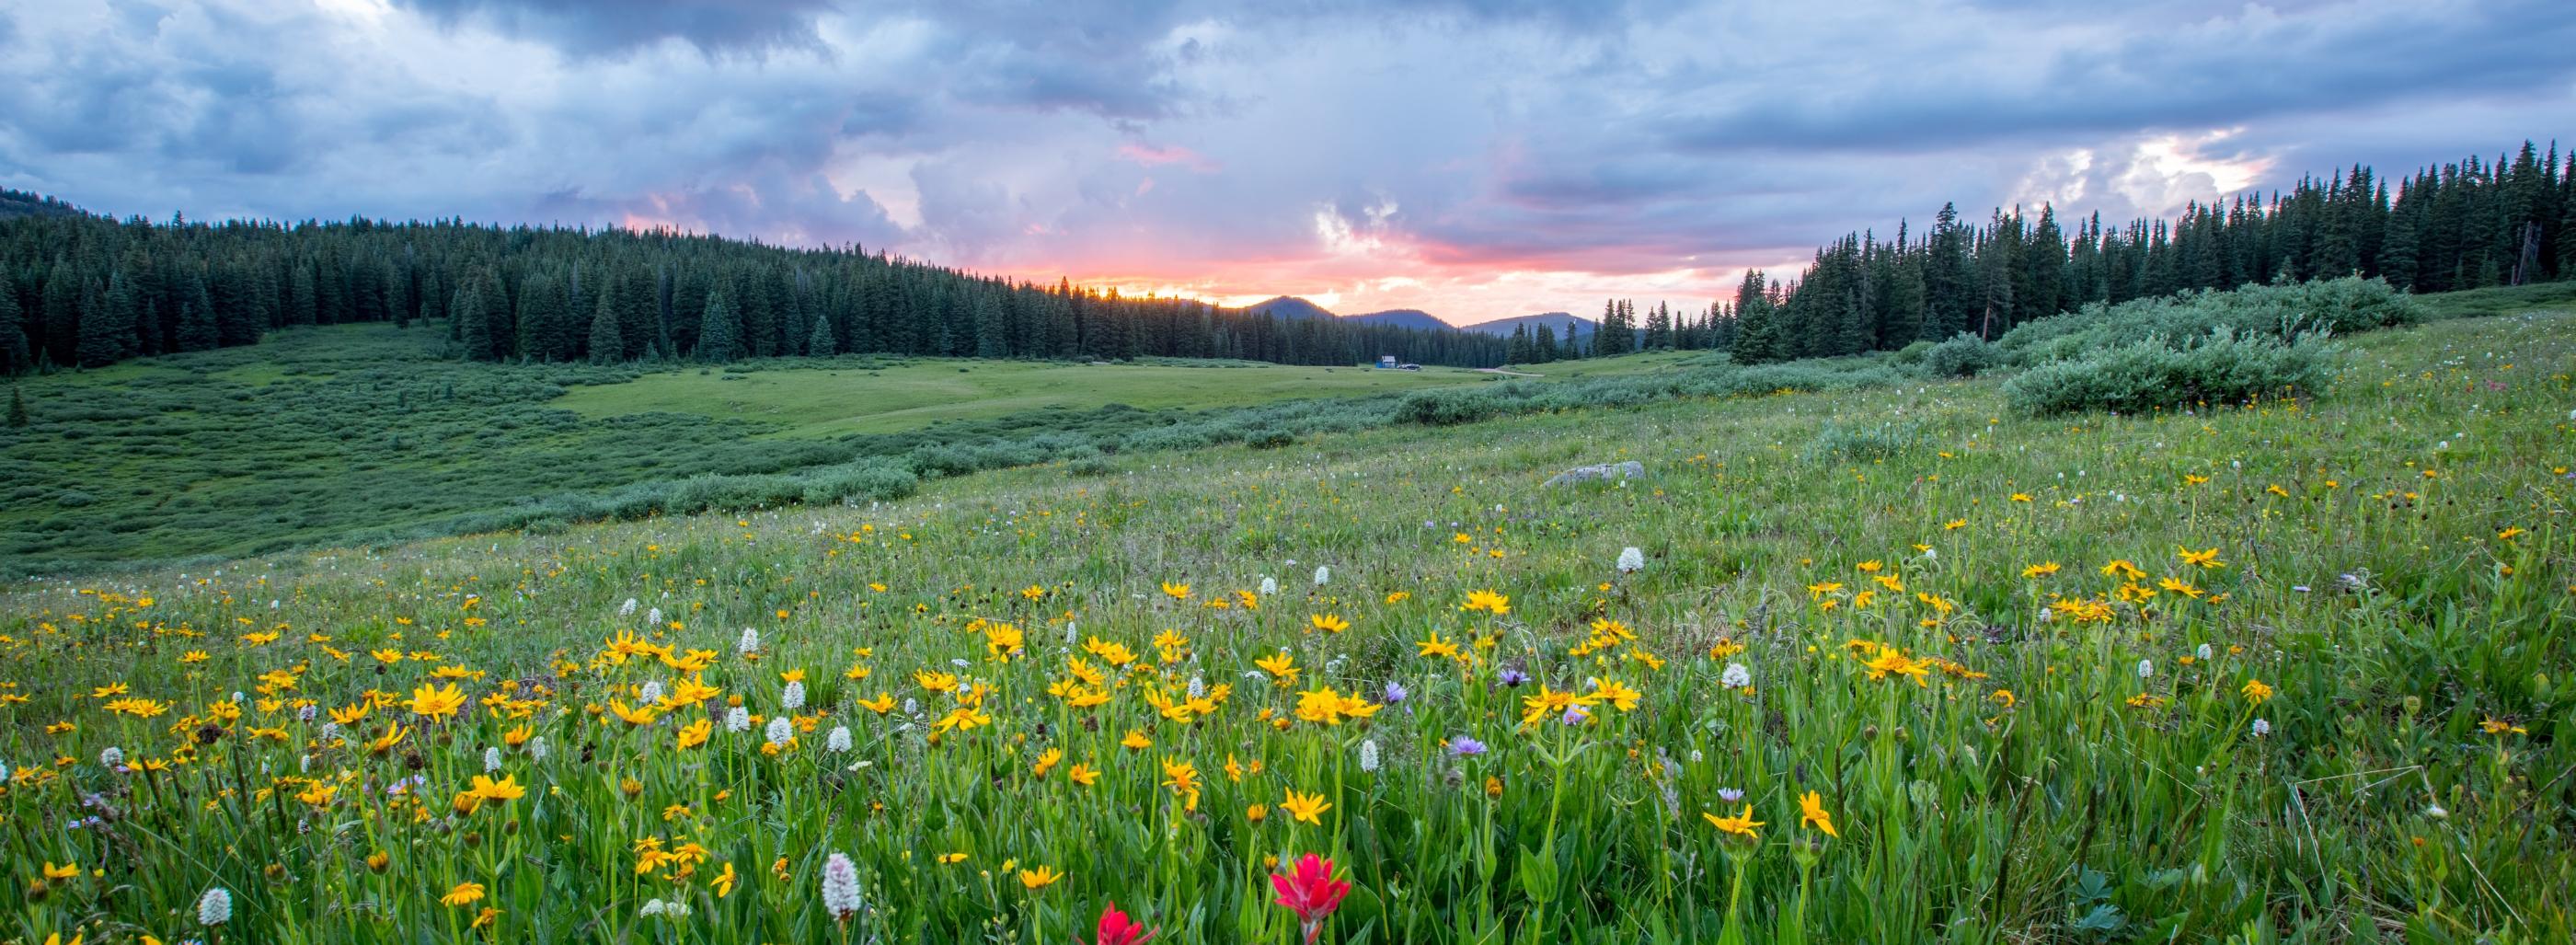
x,y
366,432
2290,673
819,402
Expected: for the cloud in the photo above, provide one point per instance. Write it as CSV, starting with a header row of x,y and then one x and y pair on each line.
x,y
1472,158
608,27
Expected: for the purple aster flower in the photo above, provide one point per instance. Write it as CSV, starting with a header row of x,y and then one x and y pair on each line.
x,y
1466,747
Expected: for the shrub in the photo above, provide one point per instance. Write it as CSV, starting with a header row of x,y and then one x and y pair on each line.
x,y
872,481
1268,438
2284,312
1444,407
1964,355
1092,465
2224,368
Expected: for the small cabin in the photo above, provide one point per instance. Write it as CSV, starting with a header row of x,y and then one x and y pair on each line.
x,y
1386,361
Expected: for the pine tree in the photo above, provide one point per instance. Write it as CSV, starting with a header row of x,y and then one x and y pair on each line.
x,y
1758,333
472,331
607,337
819,342
720,330
107,325
15,358
197,331
300,297
17,407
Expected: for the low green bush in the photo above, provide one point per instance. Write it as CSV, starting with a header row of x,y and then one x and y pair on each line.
x,y
1964,355
2153,374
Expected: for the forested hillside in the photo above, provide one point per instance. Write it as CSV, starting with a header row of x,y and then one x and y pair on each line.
x,y
79,289
2470,225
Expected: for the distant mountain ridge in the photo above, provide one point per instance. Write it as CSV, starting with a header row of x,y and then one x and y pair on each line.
x,y
19,203
1566,325
1403,318
1288,307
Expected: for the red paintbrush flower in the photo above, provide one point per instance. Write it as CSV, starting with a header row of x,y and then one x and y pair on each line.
x,y
1311,892
1116,929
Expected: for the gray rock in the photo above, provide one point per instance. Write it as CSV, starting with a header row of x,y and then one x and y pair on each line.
x,y
1631,469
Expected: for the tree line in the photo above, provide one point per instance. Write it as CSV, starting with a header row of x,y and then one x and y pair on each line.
x,y
2465,225
87,290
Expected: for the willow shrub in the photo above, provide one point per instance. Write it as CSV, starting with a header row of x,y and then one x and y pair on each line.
x,y
2222,368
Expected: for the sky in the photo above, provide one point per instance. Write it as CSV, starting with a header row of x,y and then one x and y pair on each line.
x,y
1475,159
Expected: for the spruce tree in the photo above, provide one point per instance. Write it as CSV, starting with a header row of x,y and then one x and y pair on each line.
x,y
17,407
15,357
197,331
107,324
819,342
720,330
607,338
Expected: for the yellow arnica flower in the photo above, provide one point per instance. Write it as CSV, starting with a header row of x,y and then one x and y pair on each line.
x,y
1487,601
1811,810
2256,692
1178,592
1307,808
1039,878
463,894
695,733
437,703
506,789
1329,623
1741,824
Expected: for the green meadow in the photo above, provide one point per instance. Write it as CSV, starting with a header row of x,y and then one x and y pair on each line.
x,y
1891,662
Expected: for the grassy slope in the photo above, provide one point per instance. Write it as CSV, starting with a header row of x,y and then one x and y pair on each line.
x,y
814,402
2435,441
317,436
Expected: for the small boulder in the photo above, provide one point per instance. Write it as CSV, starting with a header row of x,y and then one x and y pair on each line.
x,y
1631,469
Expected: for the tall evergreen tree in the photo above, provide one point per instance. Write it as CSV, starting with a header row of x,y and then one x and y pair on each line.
x,y
16,355
720,330
607,333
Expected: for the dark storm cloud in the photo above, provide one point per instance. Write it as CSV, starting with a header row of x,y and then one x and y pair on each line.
x,y
2252,65
601,27
1330,142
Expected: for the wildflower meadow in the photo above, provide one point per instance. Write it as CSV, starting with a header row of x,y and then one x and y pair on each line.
x,y
2294,671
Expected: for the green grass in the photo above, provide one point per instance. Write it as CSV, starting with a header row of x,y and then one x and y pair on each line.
x,y
830,401
2502,300
1647,362
2392,560
365,433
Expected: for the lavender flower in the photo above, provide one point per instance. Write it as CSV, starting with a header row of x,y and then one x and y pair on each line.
x,y
1466,747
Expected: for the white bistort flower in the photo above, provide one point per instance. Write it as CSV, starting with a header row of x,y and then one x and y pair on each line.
x,y
491,759
737,719
1269,586
215,907
841,887
839,740
537,748
1323,575
781,731
1368,755
1736,676
750,641
794,697
111,757
1631,560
